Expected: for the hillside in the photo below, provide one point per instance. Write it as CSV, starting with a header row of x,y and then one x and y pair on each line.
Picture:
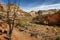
x,y
36,32
28,25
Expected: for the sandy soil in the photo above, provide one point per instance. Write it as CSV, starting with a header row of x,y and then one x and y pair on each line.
x,y
16,35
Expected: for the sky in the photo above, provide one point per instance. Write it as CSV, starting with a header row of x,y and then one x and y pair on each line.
x,y
17,2
29,5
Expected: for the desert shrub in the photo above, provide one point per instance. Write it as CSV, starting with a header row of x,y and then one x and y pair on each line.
x,y
58,38
20,24
38,20
34,34
1,16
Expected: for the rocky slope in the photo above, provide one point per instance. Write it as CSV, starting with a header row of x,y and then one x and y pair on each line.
x,y
25,28
36,32
47,12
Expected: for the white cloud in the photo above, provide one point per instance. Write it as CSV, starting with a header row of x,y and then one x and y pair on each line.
x,y
44,7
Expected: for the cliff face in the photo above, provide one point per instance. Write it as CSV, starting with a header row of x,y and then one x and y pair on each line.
x,y
12,8
33,13
43,15
19,12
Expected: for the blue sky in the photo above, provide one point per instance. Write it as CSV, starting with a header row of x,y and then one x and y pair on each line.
x,y
10,1
36,5
28,5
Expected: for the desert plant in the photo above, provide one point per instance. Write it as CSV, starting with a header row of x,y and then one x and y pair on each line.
x,y
58,38
1,16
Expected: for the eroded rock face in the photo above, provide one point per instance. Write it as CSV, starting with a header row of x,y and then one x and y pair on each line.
x,y
33,13
4,30
49,18
54,19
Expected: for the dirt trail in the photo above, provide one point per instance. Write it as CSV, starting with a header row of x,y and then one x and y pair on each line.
x,y
16,35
